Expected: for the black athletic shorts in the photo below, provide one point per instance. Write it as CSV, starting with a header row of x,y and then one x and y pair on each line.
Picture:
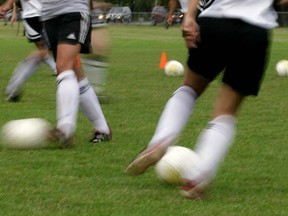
x,y
70,28
235,47
33,29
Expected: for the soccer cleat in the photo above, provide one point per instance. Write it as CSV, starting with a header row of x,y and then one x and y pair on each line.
x,y
101,137
195,189
58,136
13,97
148,157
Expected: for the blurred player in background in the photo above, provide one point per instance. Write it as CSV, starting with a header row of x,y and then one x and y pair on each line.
x,y
67,30
184,8
96,65
33,31
172,7
229,36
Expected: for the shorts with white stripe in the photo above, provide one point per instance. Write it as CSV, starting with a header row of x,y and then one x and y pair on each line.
x,y
70,28
33,29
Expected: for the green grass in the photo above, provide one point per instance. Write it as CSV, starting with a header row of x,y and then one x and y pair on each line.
x,y
89,179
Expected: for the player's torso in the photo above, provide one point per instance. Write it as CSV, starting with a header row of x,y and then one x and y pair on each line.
x,y
260,13
31,8
53,8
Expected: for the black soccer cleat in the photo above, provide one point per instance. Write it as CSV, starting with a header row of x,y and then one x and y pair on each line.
x,y
14,97
100,137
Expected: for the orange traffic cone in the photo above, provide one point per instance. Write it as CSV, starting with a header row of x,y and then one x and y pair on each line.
x,y
163,60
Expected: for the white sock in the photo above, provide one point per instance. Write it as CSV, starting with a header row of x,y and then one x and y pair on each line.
x,y
67,98
90,106
49,60
21,74
214,142
175,115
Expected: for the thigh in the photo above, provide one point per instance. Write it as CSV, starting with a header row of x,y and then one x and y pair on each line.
x,y
100,41
66,56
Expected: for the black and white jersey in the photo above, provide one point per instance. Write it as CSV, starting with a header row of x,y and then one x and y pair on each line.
x,y
53,8
204,4
256,12
201,6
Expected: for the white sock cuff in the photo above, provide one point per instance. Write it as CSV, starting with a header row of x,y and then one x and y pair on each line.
x,y
83,82
84,85
229,119
225,124
66,73
187,89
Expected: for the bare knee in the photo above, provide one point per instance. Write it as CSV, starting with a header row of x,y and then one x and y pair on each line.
x,y
197,82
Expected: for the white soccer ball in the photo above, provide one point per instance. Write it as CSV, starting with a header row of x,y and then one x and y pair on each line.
x,y
282,68
177,161
174,68
25,133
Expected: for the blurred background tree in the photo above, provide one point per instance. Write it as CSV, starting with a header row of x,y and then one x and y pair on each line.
x,y
135,5
139,5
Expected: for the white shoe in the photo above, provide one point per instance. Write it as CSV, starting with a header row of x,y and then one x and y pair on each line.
x,y
148,157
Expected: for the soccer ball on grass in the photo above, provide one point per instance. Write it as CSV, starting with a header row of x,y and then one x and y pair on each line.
x,y
177,161
28,133
282,68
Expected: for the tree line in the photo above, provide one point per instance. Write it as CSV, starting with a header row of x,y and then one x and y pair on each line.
x,y
140,5
135,5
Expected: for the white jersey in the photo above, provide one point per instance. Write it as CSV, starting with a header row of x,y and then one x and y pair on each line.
x,y
53,8
31,8
184,5
257,12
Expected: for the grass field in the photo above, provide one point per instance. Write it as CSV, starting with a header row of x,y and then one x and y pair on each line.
x,y
89,179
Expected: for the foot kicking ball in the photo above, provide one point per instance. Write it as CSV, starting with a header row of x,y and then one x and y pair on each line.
x,y
174,69
28,133
282,68
175,163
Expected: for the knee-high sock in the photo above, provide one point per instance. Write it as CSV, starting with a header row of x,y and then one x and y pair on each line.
x,y
214,142
67,98
90,106
175,115
21,74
